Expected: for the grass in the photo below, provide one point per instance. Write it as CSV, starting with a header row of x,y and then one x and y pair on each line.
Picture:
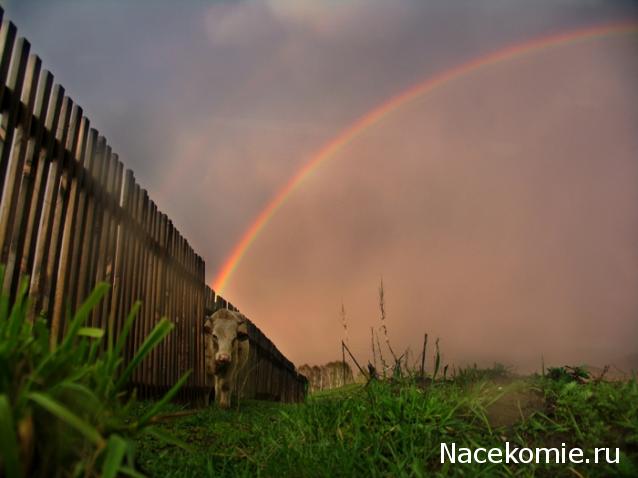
x,y
395,428
65,406
65,410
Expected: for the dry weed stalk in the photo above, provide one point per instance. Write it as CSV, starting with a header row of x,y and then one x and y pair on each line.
x,y
344,323
374,353
384,365
425,345
383,319
437,360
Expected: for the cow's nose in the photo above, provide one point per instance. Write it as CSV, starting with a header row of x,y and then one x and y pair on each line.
x,y
223,359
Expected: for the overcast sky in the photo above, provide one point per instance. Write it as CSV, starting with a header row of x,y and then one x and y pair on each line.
x,y
501,210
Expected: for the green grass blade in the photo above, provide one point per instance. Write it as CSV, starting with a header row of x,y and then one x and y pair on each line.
x,y
93,332
160,331
67,417
115,450
83,312
4,300
18,314
93,351
9,440
130,318
4,310
114,356
128,471
169,439
83,393
157,407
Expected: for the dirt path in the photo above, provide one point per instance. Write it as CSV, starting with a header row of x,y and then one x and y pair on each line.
x,y
518,402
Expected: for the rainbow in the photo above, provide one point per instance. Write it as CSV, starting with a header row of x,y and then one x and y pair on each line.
x,y
374,116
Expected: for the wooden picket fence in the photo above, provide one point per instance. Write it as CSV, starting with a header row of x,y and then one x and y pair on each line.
x,y
72,216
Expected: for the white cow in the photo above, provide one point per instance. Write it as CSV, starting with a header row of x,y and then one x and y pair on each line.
x,y
227,347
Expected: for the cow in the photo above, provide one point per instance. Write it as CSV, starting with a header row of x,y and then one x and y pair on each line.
x,y
227,347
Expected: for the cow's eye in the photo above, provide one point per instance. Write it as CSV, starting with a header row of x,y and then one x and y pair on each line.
x,y
214,337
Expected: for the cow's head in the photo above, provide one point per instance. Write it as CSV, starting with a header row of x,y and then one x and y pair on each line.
x,y
225,328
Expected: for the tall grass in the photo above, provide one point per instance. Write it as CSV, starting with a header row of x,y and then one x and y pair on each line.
x,y
394,428
382,429
64,405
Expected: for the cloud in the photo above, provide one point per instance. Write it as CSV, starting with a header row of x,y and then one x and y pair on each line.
x,y
240,23
327,18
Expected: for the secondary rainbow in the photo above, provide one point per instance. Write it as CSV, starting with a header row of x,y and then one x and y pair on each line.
x,y
391,105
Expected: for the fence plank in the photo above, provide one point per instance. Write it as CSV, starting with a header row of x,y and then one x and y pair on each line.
x,y
134,257
87,204
146,261
74,140
48,226
113,204
146,272
158,364
151,290
118,308
128,242
61,194
7,39
188,316
179,336
104,172
23,218
17,152
156,296
14,83
175,306
42,152
170,306
137,274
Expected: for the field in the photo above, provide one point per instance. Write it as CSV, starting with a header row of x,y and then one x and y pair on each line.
x,y
66,410
396,427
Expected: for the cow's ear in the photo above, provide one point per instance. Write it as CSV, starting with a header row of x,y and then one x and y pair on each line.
x,y
208,326
242,336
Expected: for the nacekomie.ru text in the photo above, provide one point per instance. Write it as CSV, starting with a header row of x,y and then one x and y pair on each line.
x,y
450,453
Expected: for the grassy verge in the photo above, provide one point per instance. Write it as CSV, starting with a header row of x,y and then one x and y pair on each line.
x,y
65,407
396,429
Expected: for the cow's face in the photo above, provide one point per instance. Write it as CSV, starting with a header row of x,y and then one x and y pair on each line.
x,y
225,330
